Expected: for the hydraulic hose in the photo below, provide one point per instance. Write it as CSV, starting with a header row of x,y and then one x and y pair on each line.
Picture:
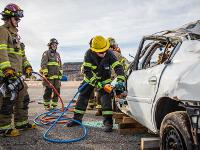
x,y
62,118
54,89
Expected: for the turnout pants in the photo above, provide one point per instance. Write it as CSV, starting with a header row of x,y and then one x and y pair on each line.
x,y
48,92
82,103
18,107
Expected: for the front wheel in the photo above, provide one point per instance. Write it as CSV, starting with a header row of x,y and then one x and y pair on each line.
x,y
175,132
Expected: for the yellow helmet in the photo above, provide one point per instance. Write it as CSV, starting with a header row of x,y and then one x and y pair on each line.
x,y
99,44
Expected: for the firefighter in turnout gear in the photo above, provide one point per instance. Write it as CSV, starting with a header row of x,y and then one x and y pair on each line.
x,y
98,63
117,52
13,63
51,68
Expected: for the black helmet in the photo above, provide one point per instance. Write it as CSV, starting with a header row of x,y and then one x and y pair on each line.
x,y
53,40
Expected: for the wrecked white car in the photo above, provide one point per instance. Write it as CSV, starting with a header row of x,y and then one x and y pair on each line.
x,y
163,85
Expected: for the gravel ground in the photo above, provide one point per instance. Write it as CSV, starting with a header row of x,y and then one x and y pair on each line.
x,y
95,140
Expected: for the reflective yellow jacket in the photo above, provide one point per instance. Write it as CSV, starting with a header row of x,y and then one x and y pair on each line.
x,y
11,53
51,64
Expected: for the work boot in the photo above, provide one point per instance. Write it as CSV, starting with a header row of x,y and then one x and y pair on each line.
x,y
108,128
26,126
54,105
99,112
47,107
73,123
108,124
77,117
9,132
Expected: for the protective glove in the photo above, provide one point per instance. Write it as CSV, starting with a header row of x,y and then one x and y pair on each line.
x,y
45,74
9,72
28,72
119,87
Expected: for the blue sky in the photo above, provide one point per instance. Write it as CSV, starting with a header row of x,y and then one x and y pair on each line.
x,y
75,22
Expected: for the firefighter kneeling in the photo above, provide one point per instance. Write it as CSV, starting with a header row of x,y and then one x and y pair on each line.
x,y
98,63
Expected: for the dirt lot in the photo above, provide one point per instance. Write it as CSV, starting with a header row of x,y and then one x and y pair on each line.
x,y
95,140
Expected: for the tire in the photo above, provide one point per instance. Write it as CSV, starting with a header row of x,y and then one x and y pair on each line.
x,y
175,133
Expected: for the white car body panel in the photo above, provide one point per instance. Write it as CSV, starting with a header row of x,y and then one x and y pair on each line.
x,y
141,91
178,79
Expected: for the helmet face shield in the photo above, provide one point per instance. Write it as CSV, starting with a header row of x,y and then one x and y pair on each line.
x,y
19,14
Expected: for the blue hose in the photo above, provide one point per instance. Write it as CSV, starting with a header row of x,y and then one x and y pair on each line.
x,y
53,123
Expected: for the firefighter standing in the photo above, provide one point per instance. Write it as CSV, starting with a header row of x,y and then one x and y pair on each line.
x,y
98,63
51,67
12,64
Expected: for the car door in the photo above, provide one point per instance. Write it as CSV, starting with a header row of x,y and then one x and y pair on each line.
x,y
142,84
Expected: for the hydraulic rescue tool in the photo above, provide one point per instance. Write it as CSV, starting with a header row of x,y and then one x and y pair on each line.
x,y
118,93
11,87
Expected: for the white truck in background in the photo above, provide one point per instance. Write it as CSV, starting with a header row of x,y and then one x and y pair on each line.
x,y
163,84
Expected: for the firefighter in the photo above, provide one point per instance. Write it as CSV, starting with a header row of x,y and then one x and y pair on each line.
x,y
51,67
117,52
13,63
98,63
91,102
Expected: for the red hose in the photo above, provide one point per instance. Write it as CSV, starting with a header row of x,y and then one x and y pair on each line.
x,y
55,91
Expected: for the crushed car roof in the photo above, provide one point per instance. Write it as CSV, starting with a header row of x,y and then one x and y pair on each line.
x,y
189,31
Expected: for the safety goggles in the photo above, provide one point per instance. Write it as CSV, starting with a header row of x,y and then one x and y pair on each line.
x,y
19,14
